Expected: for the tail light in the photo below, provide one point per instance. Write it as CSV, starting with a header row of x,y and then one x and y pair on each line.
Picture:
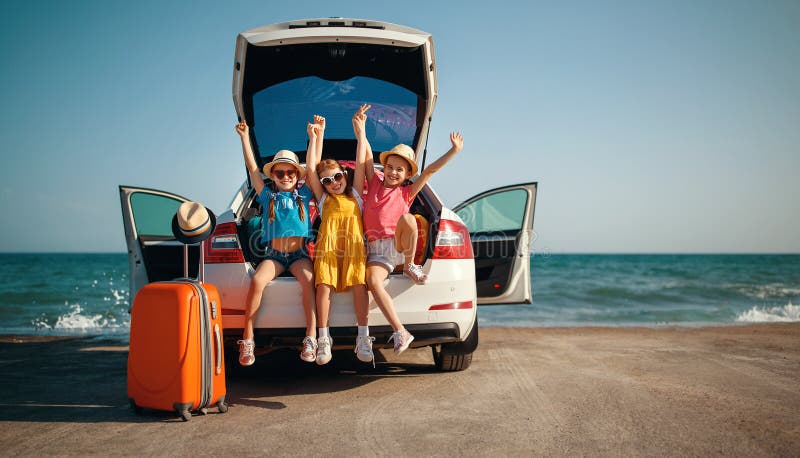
x,y
452,241
223,245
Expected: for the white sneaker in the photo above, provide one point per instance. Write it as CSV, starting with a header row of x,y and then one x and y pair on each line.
x,y
415,273
246,356
309,351
324,353
363,349
402,340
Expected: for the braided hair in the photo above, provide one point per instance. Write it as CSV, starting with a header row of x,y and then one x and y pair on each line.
x,y
298,200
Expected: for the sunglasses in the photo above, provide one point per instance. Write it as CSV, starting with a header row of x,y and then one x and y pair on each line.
x,y
329,180
291,173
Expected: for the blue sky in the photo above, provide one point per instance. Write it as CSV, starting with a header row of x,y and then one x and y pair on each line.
x,y
650,126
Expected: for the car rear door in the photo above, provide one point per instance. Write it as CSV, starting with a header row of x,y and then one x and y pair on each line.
x,y
500,223
153,252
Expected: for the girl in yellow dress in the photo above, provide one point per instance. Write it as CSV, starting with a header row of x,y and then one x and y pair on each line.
x,y
339,254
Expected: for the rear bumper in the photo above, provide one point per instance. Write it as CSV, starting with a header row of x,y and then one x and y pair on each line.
x,y
423,309
345,337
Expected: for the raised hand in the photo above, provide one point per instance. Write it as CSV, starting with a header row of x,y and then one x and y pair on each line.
x,y
360,119
457,140
312,130
320,122
242,129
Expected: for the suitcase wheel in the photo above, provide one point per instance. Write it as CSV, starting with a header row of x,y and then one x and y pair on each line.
x,y
136,409
222,407
185,414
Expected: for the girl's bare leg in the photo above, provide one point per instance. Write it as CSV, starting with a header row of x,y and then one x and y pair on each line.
x,y
303,271
361,304
405,237
265,273
376,274
324,304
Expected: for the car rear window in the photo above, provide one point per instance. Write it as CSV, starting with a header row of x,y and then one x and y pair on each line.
x,y
281,112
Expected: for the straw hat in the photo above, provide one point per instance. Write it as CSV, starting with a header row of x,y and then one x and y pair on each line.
x,y
287,157
403,151
193,223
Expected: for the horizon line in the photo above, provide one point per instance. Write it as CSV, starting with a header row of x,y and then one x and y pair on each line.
x,y
533,254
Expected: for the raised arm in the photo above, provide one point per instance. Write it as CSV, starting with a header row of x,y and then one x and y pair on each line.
x,y
457,142
249,158
359,127
312,159
361,136
319,121
369,164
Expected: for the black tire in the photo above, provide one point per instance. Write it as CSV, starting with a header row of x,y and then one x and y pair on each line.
x,y
456,356
446,359
222,407
185,415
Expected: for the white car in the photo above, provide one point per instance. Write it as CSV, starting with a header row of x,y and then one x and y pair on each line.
x,y
477,253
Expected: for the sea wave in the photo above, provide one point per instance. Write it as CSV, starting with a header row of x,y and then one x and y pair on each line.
x,y
768,291
78,320
787,313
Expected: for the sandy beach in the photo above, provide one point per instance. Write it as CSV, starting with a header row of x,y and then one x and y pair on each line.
x,y
561,391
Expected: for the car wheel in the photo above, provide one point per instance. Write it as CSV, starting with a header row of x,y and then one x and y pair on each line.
x,y
447,360
456,356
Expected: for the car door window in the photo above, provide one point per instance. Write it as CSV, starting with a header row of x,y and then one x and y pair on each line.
x,y
153,214
500,212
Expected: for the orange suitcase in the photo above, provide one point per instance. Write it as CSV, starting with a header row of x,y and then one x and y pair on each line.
x,y
175,361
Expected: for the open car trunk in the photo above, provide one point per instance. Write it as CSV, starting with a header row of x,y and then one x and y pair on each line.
x,y
285,73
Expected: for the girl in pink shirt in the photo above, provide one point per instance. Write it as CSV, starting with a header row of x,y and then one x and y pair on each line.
x,y
390,229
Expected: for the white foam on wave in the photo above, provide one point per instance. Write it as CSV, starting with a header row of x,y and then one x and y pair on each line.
x,y
787,313
76,321
769,291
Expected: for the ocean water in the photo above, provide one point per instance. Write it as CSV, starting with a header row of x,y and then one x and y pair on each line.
x,y
655,290
87,294
63,294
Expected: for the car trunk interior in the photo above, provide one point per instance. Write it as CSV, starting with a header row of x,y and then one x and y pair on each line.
x,y
269,67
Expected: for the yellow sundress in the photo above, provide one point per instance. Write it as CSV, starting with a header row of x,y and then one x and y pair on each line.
x,y
339,254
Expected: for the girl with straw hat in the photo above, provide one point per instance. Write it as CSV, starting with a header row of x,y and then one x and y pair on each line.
x,y
285,228
390,229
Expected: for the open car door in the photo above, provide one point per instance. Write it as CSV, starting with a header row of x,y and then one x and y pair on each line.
x,y
153,252
500,223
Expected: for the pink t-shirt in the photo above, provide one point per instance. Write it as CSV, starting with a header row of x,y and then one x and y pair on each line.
x,y
383,207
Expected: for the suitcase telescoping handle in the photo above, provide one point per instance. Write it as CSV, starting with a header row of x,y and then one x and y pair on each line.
x,y
193,223
201,271
185,261
201,268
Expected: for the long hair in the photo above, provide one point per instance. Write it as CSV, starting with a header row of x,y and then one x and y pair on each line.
x,y
298,200
328,164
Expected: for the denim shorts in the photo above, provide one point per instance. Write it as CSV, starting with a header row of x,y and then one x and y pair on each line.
x,y
383,251
285,259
